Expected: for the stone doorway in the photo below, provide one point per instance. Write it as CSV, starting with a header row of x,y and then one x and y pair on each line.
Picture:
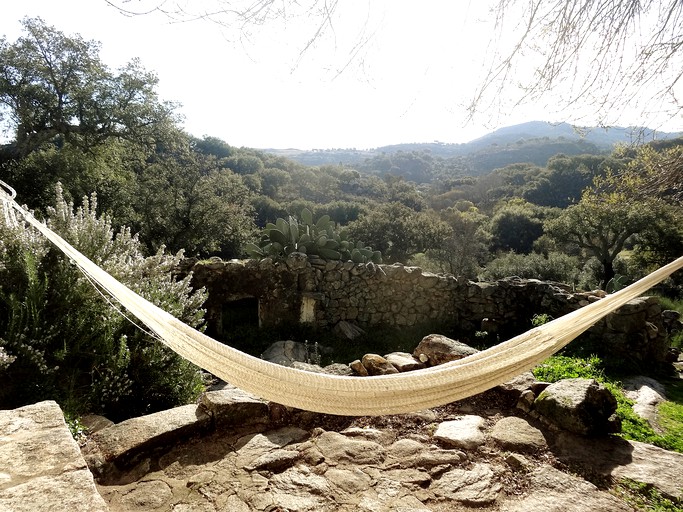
x,y
240,313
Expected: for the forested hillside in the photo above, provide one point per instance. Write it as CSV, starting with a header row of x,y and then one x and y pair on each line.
x,y
97,153
533,142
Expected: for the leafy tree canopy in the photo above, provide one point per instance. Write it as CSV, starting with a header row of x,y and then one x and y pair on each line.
x,y
601,224
399,231
54,87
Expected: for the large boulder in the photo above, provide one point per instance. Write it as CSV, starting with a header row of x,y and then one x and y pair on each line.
x,y
582,406
286,353
41,467
437,349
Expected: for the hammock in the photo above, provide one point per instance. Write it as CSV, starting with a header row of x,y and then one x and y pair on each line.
x,y
354,396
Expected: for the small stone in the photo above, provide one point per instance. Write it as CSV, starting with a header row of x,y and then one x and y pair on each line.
x,y
409,476
404,448
307,367
300,481
336,448
517,462
371,434
339,369
274,461
403,361
518,385
514,433
436,457
377,365
473,487
349,480
465,432
526,400
358,367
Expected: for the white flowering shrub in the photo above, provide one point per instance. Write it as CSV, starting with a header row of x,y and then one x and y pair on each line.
x,y
63,340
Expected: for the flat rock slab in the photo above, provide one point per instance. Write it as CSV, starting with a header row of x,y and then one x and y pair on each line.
x,y
554,491
465,432
621,458
121,444
41,467
232,407
647,394
376,469
513,433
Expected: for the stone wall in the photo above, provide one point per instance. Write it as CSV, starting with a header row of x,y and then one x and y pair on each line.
x,y
326,293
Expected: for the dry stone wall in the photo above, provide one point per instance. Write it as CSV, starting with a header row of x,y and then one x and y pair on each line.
x,y
325,293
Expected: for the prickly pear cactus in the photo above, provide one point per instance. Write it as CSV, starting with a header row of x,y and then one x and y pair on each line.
x,y
321,239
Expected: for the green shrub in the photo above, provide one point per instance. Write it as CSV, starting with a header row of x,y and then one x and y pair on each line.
x,y
540,319
68,342
553,267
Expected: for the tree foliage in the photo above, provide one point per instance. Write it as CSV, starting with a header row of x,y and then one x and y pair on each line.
x,y
603,222
54,88
515,227
554,266
466,248
399,232
186,201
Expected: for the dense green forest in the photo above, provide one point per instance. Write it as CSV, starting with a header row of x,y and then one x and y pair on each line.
x,y
104,160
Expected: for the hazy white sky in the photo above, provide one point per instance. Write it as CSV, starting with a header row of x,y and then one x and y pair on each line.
x,y
389,71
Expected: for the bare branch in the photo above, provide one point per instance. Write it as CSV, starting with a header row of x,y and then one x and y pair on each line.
x,y
604,53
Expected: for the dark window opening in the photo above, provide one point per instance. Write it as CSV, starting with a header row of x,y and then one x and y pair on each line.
x,y
240,313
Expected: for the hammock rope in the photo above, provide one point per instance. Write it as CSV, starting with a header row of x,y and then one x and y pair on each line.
x,y
353,396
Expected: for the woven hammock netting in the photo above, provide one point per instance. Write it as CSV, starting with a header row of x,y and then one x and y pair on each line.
x,y
341,395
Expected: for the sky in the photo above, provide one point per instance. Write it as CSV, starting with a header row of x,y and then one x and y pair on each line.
x,y
383,72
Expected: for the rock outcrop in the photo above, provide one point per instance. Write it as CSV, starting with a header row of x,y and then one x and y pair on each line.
x,y
582,406
448,459
235,452
41,467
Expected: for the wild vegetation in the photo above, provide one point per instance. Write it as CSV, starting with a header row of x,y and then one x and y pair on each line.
x,y
100,156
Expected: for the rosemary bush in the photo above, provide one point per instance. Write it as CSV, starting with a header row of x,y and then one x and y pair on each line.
x,y
64,341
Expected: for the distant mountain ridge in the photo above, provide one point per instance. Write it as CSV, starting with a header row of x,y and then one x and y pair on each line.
x,y
604,138
532,142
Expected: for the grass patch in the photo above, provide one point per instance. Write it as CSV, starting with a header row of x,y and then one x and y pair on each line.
x,y
669,303
644,497
670,417
565,367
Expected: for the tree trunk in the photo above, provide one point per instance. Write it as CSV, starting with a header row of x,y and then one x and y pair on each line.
x,y
607,272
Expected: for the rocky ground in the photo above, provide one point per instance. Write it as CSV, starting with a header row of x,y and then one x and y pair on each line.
x,y
484,453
